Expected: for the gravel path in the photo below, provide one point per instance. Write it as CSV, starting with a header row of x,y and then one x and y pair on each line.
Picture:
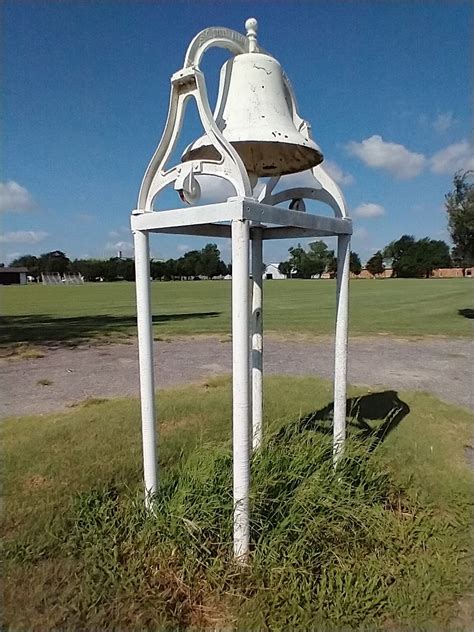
x,y
440,366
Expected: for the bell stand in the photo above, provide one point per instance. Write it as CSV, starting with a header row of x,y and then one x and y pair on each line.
x,y
244,219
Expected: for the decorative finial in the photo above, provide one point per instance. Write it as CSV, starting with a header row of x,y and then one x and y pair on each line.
x,y
251,26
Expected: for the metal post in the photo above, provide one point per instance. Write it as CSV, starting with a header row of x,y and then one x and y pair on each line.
x,y
340,352
145,355
240,386
257,338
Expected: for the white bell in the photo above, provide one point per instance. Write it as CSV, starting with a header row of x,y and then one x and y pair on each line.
x,y
254,113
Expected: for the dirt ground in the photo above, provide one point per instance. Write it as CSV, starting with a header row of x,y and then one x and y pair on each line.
x,y
64,376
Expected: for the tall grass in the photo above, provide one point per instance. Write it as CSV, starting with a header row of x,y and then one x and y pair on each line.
x,y
352,549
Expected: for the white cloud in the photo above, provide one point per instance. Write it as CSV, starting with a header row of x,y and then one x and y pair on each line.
x,y
369,209
14,198
125,247
394,158
453,158
23,236
337,173
444,121
182,248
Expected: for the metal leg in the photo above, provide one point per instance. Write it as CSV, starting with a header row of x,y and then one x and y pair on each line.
x,y
340,353
257,339
240,386
145,355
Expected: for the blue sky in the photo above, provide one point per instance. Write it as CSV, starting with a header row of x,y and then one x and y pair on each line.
x,y
385,86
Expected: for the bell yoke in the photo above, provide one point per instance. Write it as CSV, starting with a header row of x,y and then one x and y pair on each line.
x,y
254,137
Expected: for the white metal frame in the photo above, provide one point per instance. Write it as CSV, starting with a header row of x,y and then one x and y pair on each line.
x,y
244,219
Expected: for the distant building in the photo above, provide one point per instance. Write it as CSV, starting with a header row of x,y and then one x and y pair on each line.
x,y
365,274
450,273
438,273
272,272
13,276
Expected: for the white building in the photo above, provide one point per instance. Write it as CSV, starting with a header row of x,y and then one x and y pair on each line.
x,y
272,272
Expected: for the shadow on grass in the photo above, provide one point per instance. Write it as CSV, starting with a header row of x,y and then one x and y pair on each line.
x,y
45,328
467,312
385,410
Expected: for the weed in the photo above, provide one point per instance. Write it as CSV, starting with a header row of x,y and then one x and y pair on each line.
x,y
90,401
364,548
21,351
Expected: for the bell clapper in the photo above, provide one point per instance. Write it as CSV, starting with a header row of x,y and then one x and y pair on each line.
x,y
187,185
297,204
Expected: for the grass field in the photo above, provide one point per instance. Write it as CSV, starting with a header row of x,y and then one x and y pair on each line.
x,y
405,307
382,545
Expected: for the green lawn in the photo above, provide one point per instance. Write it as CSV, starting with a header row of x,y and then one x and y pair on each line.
x,y
411,307
383,544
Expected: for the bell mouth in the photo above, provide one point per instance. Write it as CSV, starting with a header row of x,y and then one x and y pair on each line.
x,y
264,158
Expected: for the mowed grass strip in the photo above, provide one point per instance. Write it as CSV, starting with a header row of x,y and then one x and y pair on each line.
x,y
106,311
384,543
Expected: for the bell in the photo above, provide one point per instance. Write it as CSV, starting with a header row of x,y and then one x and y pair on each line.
x,y
254,113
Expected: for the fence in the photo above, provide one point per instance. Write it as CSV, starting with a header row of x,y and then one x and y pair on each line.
x,y
65,279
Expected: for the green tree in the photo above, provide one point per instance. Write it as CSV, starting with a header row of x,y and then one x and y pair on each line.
x,y
188,264
412,258
125,269
91,269
401,251
27,261
460,209
285,268
298,261
318,255
111,269
308,263
170,269
332,263
375,264
431,254
54,262
223,269
157,269
209,261
355,265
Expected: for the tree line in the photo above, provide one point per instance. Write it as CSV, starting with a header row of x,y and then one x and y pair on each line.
x,y
315,261
407,257
206,262
412,257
